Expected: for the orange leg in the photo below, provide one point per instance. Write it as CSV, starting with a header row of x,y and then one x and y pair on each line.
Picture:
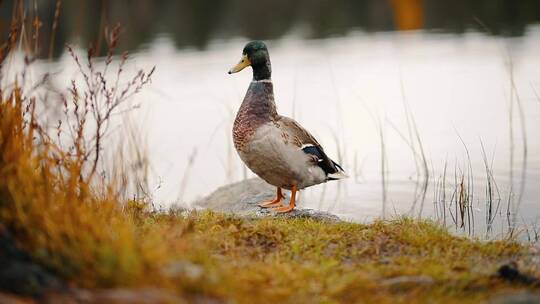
x,y
292,203
275,202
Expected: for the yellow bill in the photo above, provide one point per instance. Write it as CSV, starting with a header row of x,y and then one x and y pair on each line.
x,y
244,62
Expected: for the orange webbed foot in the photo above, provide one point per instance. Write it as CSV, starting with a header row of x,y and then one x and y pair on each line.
x,y
292,203
270,204
283,209
275,202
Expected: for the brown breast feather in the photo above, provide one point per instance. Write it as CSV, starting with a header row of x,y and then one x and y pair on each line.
x,y
257,109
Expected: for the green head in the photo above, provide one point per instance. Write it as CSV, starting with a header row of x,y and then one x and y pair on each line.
x,y
255,54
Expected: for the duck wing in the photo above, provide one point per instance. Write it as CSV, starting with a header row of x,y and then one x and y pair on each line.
x,y
294,133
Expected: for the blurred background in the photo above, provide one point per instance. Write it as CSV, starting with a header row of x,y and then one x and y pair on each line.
x,y
195,24
432,107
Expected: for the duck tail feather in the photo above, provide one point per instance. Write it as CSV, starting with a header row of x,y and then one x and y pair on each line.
x,y
338,166
337,175
340,174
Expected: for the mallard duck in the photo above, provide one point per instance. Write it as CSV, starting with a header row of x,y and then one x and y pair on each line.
x,y
276,148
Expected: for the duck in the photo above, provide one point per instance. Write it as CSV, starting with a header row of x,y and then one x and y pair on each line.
x,y
274,147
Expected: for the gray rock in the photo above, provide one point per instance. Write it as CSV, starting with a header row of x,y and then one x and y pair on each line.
x,y
405,282
119,295
518,298
183,269
19,274
142,295
27,278
510,272
241,198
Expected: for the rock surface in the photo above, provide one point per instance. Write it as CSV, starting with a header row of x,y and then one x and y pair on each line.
x,y
105,296
117,295
518,298
19,274
407,282
241,198
510,272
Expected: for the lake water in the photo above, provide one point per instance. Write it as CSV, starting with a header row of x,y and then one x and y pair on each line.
x,y
350,92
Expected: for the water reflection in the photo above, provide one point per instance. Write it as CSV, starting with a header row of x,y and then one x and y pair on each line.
x,y
197,22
